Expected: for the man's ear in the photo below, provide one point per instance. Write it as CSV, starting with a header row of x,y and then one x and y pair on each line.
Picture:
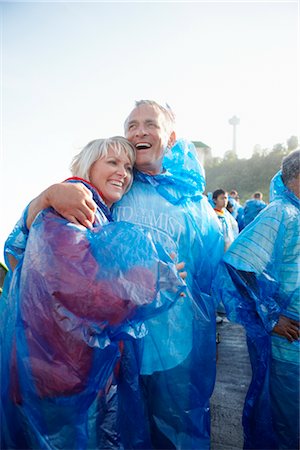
x,y
172,139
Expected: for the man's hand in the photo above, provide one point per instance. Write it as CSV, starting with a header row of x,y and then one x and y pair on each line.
x,y
73,201
287,328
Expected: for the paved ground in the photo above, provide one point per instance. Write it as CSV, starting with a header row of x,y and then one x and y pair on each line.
x,y
233,378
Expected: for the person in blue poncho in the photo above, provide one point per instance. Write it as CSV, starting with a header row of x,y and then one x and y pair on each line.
x,y
68,301
252,207
169,376
228,222
238,209
259,284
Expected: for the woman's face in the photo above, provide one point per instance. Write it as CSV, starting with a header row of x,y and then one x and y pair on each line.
x,y
111,175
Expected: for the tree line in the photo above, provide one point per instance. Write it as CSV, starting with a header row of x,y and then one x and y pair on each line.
x,y
247,175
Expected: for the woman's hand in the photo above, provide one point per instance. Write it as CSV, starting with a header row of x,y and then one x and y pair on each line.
x,y
180,266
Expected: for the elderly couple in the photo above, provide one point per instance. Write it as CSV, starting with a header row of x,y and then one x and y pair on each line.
x,y
105,345
93,279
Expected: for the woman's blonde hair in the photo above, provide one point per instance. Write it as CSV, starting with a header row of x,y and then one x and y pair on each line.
x,y
97,149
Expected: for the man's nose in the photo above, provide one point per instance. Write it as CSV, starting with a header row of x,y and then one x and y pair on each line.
x,y
141,131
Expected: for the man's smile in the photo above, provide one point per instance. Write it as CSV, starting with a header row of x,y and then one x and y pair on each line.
x,y
142,145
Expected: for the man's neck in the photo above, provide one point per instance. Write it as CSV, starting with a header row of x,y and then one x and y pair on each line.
x,y
150,170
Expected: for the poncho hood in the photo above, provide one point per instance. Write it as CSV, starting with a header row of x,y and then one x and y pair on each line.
x,y
278,190
181,169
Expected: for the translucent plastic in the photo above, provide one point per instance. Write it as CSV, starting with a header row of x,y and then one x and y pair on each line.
x,y
74,295
257,281
177,358
252,208
160,388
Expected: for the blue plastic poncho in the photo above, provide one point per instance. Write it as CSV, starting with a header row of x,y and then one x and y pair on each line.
x,y
73,296
235,206
252,208
238,212
177,362
240,217
257,281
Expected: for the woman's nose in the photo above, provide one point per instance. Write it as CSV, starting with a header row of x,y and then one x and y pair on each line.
x,y
122,171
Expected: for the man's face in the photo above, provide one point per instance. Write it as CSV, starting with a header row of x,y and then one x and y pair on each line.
x,y
295,186
145,130
221,201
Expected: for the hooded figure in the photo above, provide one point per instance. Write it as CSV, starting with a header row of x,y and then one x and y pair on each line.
x,y
259,284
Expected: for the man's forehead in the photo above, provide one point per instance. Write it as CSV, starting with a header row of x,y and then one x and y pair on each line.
x,y
145,112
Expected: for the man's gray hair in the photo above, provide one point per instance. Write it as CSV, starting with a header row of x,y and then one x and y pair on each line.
x,y
169,116
290,167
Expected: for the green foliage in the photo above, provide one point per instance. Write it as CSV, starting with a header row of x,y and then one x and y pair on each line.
x,y
247,175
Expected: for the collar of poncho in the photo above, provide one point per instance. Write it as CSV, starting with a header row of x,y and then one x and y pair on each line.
x,y
279,190
182,172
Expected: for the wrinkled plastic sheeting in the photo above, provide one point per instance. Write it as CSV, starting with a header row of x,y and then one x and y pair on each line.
x,y
250,284
242,300
252,208
16,242
76,293
183,163
157,399
169,389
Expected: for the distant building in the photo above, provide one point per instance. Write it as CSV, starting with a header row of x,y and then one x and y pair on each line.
x,y
204,151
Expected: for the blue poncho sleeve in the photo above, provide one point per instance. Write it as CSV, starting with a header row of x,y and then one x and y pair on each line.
x,y
16,242
255,251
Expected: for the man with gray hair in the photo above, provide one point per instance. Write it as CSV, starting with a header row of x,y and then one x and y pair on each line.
x,y
259,284
168,377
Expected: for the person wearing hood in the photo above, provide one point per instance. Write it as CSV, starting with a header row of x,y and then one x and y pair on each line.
x,y
253,207
258,282
171,372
